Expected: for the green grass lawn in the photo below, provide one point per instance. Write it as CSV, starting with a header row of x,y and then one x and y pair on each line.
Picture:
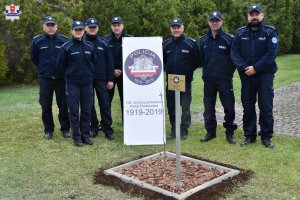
x,y
33,168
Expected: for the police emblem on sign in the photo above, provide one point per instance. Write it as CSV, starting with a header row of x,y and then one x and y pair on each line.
x,y
143,66
12,12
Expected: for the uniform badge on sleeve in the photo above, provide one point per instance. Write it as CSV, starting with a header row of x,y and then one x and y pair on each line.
x,y
274,40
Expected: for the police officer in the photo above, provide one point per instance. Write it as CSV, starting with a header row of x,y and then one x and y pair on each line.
x,y
103,79
181,56
76,58
217,76
44,51
115,44
254,50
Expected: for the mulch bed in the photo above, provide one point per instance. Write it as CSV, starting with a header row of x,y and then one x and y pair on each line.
x,y
152,171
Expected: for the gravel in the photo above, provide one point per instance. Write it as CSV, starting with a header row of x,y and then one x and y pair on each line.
x,y
286,111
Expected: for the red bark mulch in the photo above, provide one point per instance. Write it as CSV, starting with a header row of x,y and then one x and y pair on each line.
x,y
162,173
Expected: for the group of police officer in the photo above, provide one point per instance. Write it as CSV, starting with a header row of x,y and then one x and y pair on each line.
x,y
89,63
74,69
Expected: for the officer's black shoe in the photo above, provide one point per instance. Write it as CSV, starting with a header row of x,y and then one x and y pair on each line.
x,y
67,134
94,133
48,136
248,141
87,140
207,137
78,143
110,136
268,143
230,139
183,137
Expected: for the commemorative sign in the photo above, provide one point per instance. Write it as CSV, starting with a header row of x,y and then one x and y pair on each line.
x,y
143,84
12,12
176,82
143,66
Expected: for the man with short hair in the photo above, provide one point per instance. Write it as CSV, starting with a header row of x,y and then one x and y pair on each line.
x,y
217,75
103,79
44,51
254,50
114,41
181,57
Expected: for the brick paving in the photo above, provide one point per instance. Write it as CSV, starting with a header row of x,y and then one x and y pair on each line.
x,y
286,111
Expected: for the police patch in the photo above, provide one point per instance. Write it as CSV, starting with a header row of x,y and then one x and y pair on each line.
x,y
274,40
143,66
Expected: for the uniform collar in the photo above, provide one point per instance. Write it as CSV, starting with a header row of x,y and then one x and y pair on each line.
x,y
77,41
48,36
220,31
182,37
91,37
260,26
115,38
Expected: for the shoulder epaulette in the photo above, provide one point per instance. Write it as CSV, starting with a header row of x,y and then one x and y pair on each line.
x,y
167,41
228,34
89,43
269,29
189,41
107,37
227,37
65,38
67,45
241,30
100,39
37,38
203,38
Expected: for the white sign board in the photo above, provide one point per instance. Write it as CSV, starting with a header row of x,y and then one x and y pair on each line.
x,y
143,83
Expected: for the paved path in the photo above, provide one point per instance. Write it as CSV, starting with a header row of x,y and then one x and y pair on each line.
x,y
286,111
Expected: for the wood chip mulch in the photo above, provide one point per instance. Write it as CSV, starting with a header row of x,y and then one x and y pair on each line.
x,y
162,173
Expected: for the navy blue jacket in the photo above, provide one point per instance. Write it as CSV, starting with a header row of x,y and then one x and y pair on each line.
x,y
103,67
116,48
77,59
215,56
181,56
255,48
44,52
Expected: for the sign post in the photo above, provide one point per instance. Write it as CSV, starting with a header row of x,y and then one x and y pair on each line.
x,y
177,83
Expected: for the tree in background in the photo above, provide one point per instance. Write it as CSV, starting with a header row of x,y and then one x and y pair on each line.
x,y
17,35
296,27
141,18
3,63
195,15
234,13
279,14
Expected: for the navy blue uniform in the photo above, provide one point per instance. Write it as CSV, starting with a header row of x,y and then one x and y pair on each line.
x,y
44,51
217,74
103,73
115,45
258,49
181,57
76,59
